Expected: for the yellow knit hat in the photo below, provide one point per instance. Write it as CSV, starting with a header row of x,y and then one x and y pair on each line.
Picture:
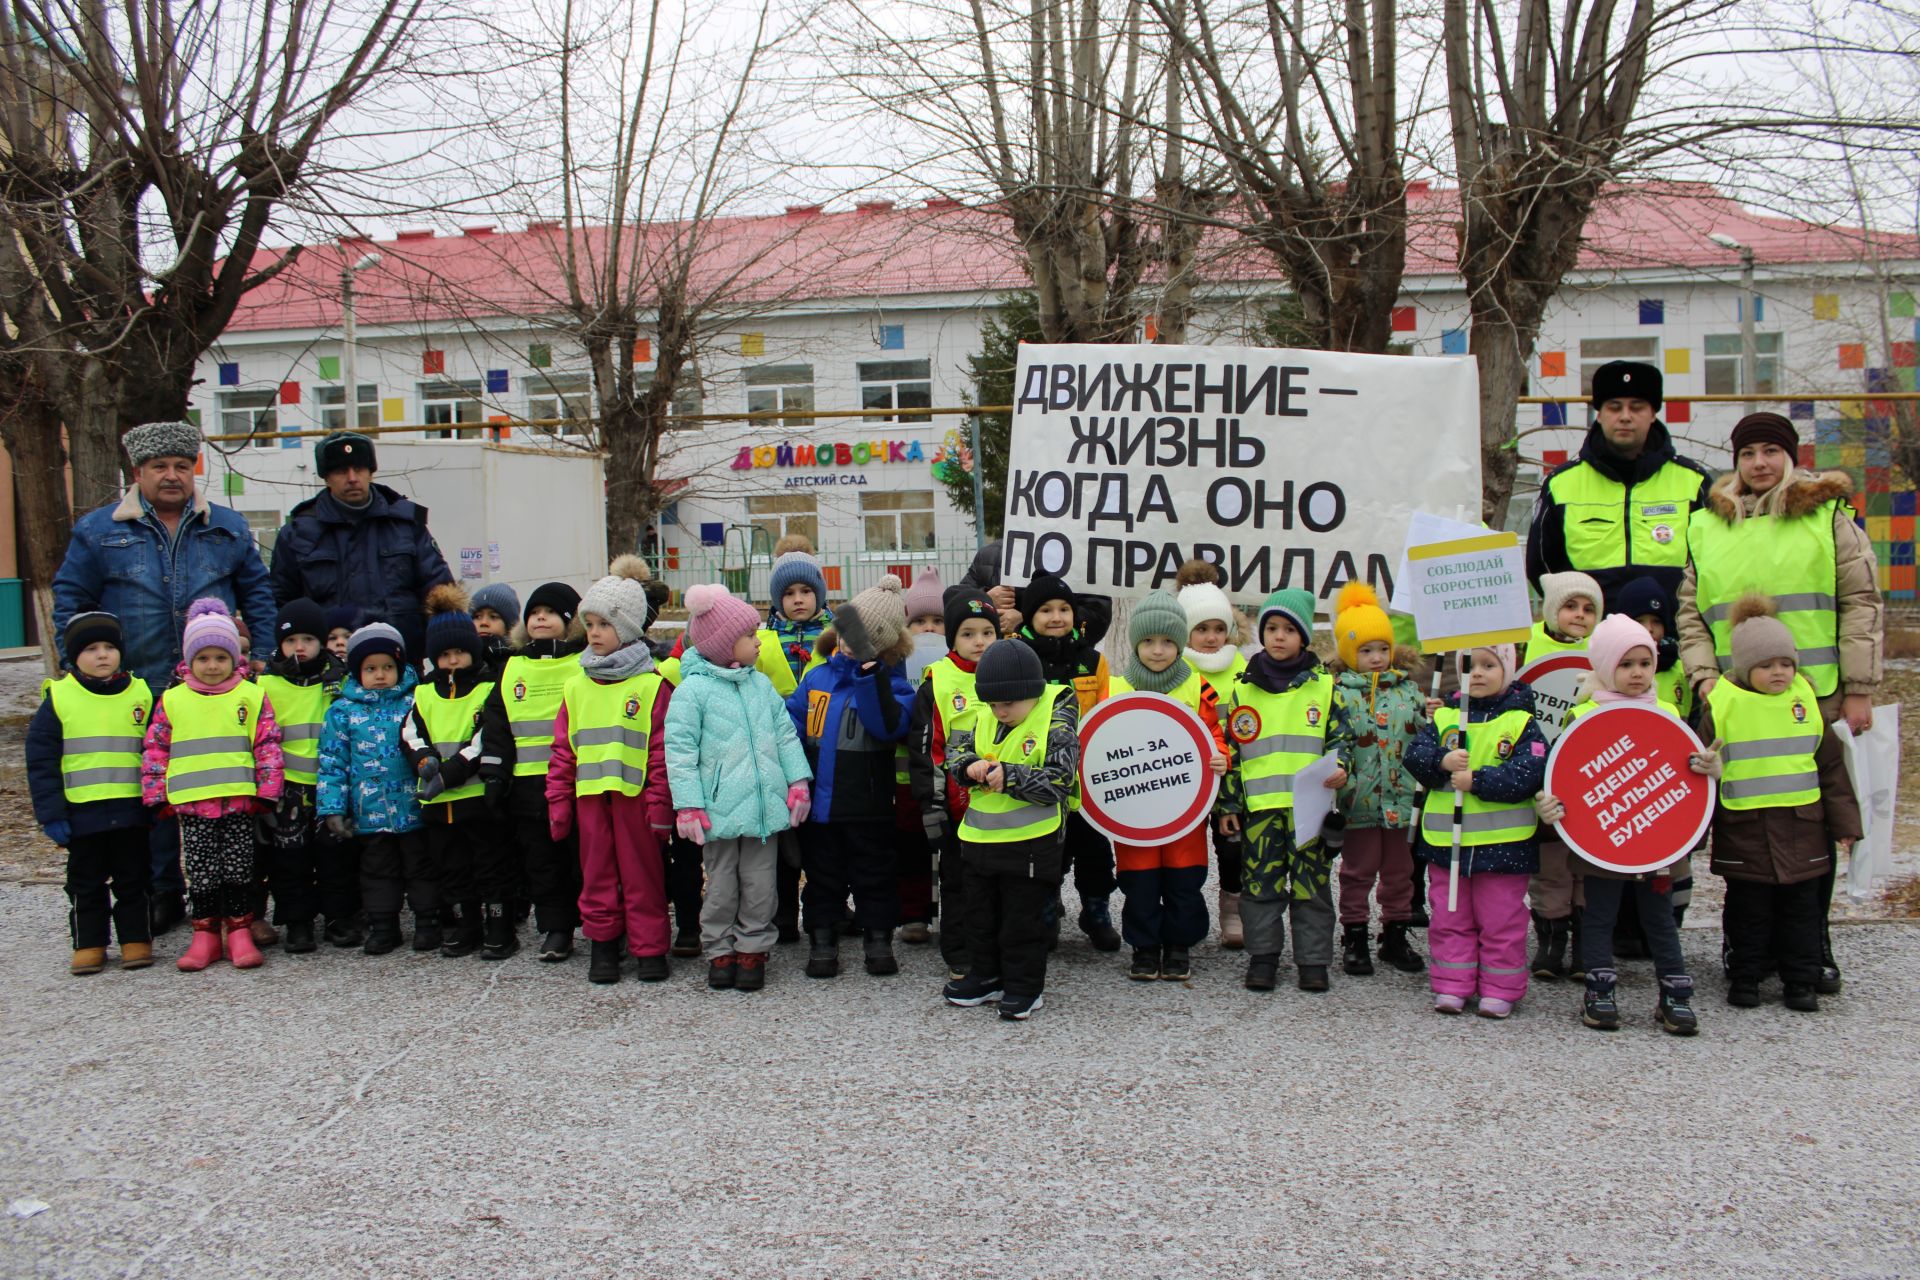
x,y
1358,619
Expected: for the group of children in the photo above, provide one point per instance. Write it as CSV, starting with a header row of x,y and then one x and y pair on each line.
x,y
813,768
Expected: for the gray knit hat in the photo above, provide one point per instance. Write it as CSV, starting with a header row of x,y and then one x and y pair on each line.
x,y
499,597
1159,614
621,598
162,440
1758,636
882,611
1009,671
1558,588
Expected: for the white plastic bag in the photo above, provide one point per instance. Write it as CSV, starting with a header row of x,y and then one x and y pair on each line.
x,y
1873,762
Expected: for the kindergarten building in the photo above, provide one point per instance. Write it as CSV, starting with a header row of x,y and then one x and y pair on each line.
x,y
880,307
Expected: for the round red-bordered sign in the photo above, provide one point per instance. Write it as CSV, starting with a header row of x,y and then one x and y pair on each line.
x,y
1633,802
1144,775
1556,682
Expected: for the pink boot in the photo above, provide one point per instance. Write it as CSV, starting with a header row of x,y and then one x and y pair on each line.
x,y
204,949
241,948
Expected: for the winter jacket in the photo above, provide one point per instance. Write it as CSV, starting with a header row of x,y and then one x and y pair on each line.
x,y
1052,781
487,754
46,740
1518,780
381,558
122,560
1385,713
269,776
1095,613
1073,660
1787,845
364,773
654,804
731,749
527,793
1856,586
850,721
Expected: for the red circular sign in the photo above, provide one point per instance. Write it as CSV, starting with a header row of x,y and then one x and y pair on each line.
x,y
1145,775
1555,680
1633,802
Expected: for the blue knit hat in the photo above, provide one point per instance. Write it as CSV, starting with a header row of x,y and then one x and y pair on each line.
x,y
449,625
797,566
500,598
1293,604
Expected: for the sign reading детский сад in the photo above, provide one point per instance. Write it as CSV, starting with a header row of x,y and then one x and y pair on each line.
x,y
1286,468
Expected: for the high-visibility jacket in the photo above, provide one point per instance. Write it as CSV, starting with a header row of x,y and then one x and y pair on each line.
x,y
1767,744
299,710
1482,822
1278,734
1791,559
608,728
1541,644
100,739
1607,525
995,817
1579,709
211,754
954,700
531,689
450,724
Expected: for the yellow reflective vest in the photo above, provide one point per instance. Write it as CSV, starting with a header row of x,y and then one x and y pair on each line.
x,y
608,728
211,752
1276,735
100,739
1791,559
1767,745
299,710
531,689
995,817
450,725
1607,525
1489,743
1541,644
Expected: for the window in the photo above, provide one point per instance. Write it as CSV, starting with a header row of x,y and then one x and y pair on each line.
x,y
561,395
251,411
774,387
783,513
266,527
1595,352
900,521
451,402
896,384
333,411
687,397
1723,364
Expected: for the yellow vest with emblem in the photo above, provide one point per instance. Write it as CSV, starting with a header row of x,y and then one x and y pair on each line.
x,y
450,723
531,689
1277,735
211,755
953,697
1791,559
608,727
1542,645
994,817
299,710
1609,526
1481,821
100,739
1188,692
1767,745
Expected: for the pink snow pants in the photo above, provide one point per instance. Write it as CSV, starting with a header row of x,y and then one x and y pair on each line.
x,y
623,875
1480,947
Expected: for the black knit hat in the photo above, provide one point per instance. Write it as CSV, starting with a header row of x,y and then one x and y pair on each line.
x,y
1043,588
1626,380
343,449
1765,428
966,603
84,629
557,596
300,617
1009,671
1645,596
346,617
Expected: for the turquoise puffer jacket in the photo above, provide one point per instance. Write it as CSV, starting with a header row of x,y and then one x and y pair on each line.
x,y
732,749
363,771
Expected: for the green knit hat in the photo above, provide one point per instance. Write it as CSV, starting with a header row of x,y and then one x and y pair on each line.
x,y
1158,615
1293,604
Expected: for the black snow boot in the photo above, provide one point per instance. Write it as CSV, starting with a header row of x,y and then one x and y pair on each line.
x,y
1803,997
467,935
823,954
604,962
1262,972
1354,956
556,945
347,931
383,934
500,938
878,949
1096,921
1146,964
1676,1014
1313,977
1397,951
298,938
1175,964
426,931
1600,1010
1550,953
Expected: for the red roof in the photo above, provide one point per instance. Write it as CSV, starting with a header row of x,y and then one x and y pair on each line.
x,y
878,250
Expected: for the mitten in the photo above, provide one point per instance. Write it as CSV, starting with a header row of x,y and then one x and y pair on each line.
x,y
60,831
559,820
935,822
799,803
339,826
433,782
692,824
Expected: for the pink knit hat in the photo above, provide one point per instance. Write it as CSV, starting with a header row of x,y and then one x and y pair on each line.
x,y
926,595
716,619
1615,637
210,626
1505,654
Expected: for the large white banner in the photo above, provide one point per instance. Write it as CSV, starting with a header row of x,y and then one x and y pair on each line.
x,y
1286,468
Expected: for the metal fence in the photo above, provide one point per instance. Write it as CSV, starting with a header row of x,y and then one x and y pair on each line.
x,y
848,569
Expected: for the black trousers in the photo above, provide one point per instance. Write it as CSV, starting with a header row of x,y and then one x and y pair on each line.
x,y
1227,856
397,867
116,865
954,923
786,912
843,857
1092,859
475,858
1774,926
552,872
1007,928
686,879
311,872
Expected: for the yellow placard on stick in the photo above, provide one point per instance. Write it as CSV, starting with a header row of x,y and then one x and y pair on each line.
x,y
1469,592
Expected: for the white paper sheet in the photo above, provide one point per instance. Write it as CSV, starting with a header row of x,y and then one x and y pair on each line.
x,y
1313,798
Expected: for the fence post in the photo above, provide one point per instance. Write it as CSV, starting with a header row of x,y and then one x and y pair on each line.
x,y
979,494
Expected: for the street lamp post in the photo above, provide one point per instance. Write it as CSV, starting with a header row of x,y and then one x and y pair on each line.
x,y
349,373
1749,349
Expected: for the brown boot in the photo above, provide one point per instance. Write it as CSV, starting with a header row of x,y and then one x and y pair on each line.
x,y
136,955
262,932
1232,936
87,960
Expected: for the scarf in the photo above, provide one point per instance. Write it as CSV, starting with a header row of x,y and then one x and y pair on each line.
x,y
1212,663
198,685
1269,673
624,663
1136,674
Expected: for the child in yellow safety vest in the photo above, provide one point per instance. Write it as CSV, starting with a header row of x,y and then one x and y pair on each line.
x,y
1019,759
1281,718
1163,912
607,778
83,770
213,760
310,874
1785,804
1569,609
1215,632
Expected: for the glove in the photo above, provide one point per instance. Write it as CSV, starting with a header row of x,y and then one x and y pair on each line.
x,y
1708,762
1549,808
935,823
693,825
339,826
60,832
799,803
559,821
429,767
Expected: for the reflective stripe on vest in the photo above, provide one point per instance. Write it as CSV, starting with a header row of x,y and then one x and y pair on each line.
x,y
531,690
1767,745
211,754
994,817
1481,821
100,739
299,710
1791,559
1609,526
1290,735
1541,645
609,727
450,725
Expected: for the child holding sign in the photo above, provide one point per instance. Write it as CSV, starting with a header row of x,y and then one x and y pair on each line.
x,y
1624,672
1785,802
1164,913
1569,608
1282,718
1479,941
1215,631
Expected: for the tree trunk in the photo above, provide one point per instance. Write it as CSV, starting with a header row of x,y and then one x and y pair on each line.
x,y
94,438
629,488
31,433
1501,351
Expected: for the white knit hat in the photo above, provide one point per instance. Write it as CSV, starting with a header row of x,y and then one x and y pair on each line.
x,y
621,598
1205,602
